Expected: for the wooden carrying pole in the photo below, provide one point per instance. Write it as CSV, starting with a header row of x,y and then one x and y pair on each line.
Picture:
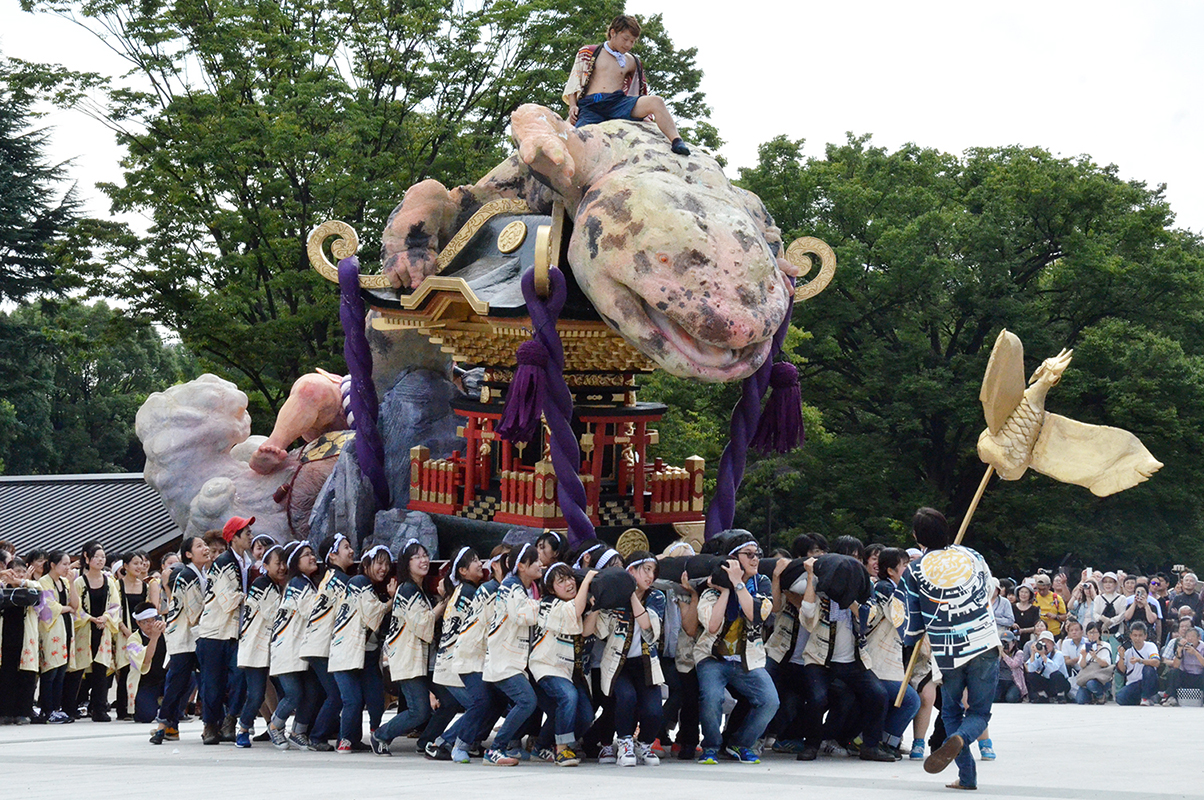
x,y
961,534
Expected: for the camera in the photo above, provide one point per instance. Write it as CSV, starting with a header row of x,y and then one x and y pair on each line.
x,y
20,597
1178,568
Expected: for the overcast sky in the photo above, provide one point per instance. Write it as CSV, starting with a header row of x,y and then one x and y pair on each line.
x,y
1122,82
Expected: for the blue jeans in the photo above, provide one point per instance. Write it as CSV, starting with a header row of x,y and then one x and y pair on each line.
x,y
416,692
636,701
441,717
897,719
474,696
175,688
1084,694
257,688
977,679
520,692
146,701
351,692
568,708
1133,693
302,694
223,688
326,723
715,675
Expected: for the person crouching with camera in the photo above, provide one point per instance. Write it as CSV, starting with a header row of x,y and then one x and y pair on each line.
x,y
1046,671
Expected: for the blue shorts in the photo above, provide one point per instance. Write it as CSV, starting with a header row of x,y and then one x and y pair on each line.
x,y
593,108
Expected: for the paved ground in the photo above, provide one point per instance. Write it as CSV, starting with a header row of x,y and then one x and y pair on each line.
x,y
1044,751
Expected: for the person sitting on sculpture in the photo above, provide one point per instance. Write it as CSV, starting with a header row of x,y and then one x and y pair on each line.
x,y
607,82
314,407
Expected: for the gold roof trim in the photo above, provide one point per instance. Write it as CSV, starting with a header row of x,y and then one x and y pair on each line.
x,y
474,224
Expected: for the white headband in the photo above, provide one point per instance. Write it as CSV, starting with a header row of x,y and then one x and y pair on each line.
x,y
293,556
559,539
673,548
149,613
334,546
519,557
268,552
739,547
455,577
117,565
371,554
641,562
409,542
593,549
606,558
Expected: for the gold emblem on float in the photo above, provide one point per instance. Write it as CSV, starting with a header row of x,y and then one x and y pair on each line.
x,y
512,236
945,569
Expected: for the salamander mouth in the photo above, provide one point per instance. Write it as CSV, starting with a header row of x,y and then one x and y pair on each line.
x,y
723,363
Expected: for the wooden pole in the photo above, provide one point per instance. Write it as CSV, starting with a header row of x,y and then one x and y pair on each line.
x,y
961,534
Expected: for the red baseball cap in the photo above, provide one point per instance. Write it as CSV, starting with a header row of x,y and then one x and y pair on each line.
x,y
234,525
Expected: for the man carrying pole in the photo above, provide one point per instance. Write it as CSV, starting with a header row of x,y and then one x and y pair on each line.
x,y
947,592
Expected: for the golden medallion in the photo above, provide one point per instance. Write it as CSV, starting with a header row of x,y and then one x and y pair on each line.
x,y
512,236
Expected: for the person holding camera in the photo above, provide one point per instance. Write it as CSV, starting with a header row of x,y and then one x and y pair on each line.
x,y
1095,659
1185,654
1045,670
1143,610
1186,594
1051,605
1140,663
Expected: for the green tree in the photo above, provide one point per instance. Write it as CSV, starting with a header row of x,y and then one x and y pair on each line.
x,y
936,254
76,375
35,211
248,123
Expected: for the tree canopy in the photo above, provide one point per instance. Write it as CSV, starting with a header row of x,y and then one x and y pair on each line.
x,y
248,123
937,253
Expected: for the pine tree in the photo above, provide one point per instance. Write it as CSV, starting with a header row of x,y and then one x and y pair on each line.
x,y
34,211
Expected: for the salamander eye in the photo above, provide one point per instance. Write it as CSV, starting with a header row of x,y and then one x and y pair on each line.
x,y
663,258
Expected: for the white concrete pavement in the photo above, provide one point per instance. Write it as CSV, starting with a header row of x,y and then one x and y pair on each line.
x,y
1057,752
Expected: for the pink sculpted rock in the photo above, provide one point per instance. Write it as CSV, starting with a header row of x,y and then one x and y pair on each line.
x,y
685,266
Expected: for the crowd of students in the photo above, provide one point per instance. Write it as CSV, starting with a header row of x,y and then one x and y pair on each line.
x,y
577,653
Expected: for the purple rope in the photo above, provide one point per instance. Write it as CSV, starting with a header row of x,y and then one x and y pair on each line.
x,y
558,404
745,416
369,447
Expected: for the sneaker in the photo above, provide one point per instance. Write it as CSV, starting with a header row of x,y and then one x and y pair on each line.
x,y
156,737
646,754
379,747
657,747
746,755
830,747
917,750
625,754
710,755
567,758
460,756
788,746
607,754
731,752
521,753
687,753
58,718
499,758
278,737
242,739
344,746
809,753
986,749
358,746
212,734
545,754
169,733
321,746
228,729
437,752
876,753
1145,701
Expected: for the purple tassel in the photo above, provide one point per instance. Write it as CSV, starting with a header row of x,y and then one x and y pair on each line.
x,y
780,428
525,397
